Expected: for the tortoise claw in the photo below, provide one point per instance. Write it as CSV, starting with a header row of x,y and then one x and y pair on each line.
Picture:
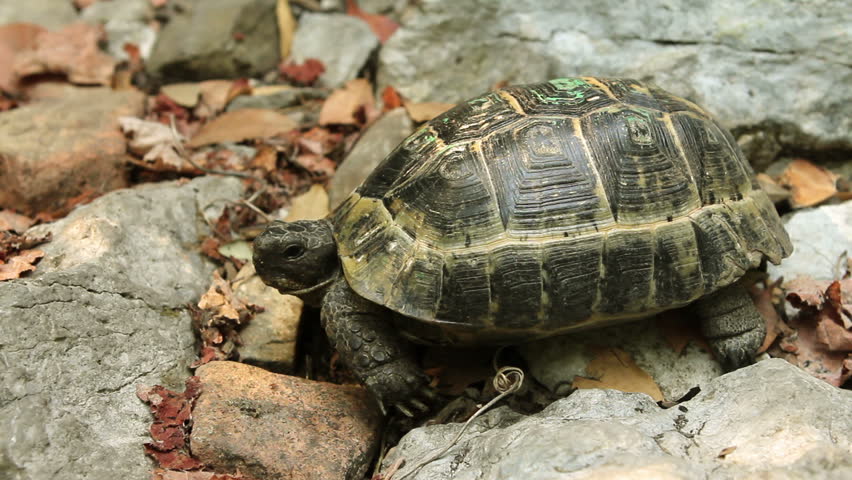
x,y
419,405
405,411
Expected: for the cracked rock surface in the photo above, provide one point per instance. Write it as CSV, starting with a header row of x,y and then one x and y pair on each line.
x,y
759,66
769,420
103,313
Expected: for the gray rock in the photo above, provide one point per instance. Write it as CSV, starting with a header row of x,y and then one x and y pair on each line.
x,y
49,14
269,340
771,78
376,143
278,100
102,314
128,21
217,39
556,361
341,42
820,236
781,422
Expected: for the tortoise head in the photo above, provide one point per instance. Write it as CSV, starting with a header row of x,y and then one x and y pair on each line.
x,y
297,258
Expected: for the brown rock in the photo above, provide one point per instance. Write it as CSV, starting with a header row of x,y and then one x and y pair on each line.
x,y
56,149
269,340
271,426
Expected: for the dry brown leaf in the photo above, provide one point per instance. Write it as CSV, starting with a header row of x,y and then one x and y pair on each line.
x,y
220,299
425,111
286,27
157,143
726,451
775,192
311,205
241,125
15,39
19,264
344,104
810,184
214,97
184,94
15,222
265,159
774,325
73,51
821,344
614,368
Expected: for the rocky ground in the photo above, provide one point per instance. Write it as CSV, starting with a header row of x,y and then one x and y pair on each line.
x,y
144,143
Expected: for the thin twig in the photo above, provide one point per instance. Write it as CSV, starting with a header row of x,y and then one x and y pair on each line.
x,y
507,381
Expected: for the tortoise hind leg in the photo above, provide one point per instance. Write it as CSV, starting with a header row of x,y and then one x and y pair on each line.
x,y
366,339
732,325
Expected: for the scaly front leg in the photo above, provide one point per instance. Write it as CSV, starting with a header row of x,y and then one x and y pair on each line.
x,y
366,339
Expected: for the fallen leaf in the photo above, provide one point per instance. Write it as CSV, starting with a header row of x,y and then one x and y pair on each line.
x,y
14,222
381,25
73,51
614,368
306,73
763,301
344,105
214,97
220,300
15,39
184,94
266,159
311,205
423,112
157,143
318,140
240,86
243,124
319,166
172,422
821,343
810,184
286,27
19,264
776,192
390,99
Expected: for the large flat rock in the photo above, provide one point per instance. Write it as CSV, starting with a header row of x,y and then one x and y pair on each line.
x,y
769,420
103,313
749,63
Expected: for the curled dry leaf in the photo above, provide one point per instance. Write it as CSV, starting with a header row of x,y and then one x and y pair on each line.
x,y
423,112
73,51
19,264
810,184
776,192
351,105
220,301
243,124
822,343
14,222
172,422
157,143
614,368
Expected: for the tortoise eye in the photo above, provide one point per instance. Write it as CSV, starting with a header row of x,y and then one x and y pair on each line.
x,y
293,251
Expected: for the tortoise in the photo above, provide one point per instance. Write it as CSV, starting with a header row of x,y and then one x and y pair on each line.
x,y
533,211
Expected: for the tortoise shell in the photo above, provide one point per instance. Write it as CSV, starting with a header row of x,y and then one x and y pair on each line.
x,y
546,208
